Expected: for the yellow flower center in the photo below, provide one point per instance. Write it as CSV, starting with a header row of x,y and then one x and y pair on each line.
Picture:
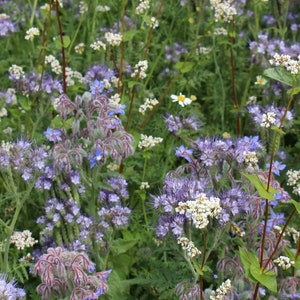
x,y
181,98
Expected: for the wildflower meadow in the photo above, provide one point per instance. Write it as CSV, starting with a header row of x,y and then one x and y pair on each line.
x,y
150,149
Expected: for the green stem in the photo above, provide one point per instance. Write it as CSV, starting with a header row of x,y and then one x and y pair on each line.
x,y
19,204
143,199
33,9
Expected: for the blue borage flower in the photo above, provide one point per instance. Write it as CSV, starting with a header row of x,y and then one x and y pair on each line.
x,y
181,151
276,167
97,87
100,155
53,135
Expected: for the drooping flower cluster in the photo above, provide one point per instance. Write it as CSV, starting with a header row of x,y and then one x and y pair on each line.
x,y
22,239
69,273
189,247
9,291
95,124
221,291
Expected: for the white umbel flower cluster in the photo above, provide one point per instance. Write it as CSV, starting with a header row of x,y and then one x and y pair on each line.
x,y
144,185
143,6
16,72
140,69
22,239
223,11
284,262
221,291
291,65
31,33
293,180
250,159
79,48
71,75
149,141
268,119
148,104
54,63
113,39
200,209
98,45
189,247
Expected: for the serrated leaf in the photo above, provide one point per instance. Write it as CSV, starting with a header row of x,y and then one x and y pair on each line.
x,y
279,74
267,279
184,67
296,204
261,187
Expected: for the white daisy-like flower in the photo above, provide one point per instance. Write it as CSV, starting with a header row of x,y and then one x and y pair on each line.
x,y
181,99
260,80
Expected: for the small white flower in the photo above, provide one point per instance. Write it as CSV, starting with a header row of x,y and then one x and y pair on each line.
x,y
149,141
260,80
268,119
181,99
31,33
98,45
284,262
113,39
144,185
79,48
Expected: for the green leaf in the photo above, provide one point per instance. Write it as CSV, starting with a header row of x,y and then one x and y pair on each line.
x,y
279,74
296,204
129,35
267,278
248,258
280,131
66,42
121,246
24,102
294,91
184,67
261,187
